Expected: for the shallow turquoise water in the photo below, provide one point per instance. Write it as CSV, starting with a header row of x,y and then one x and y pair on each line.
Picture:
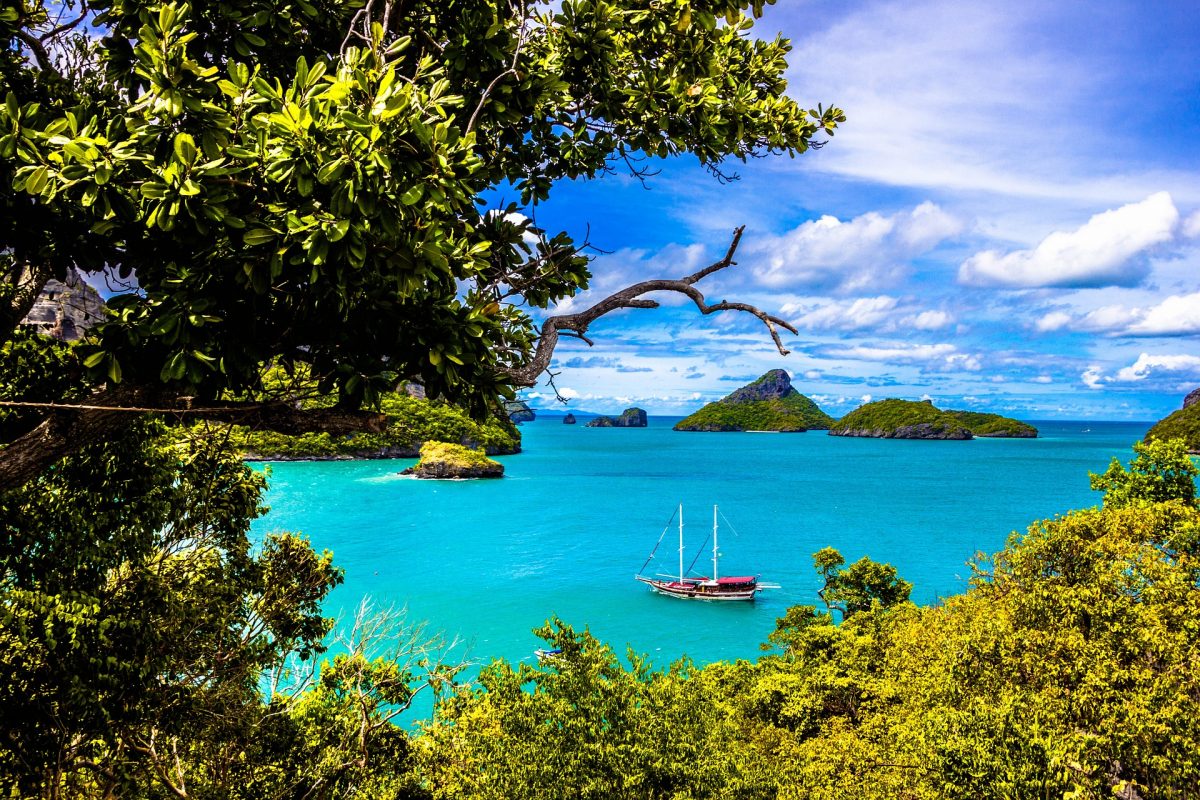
x,y
578,512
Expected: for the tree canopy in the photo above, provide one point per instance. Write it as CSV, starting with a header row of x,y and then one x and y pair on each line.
x,y
313,182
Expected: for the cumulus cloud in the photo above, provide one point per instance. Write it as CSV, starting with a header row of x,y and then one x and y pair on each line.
x,y
931,357
1191,226
1167,371
847,255
883,313
1107,250
1176,315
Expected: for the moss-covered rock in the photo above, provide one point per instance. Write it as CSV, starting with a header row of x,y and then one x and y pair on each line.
x,y
900,419
411,421
447,460
770,403
1183,424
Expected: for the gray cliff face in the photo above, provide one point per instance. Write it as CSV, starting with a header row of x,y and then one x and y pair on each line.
x,y
772,386
66,309
569,419
630,418
1192,398
922,430
519,411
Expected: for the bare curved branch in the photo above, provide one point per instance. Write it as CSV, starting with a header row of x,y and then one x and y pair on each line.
x,y
631,297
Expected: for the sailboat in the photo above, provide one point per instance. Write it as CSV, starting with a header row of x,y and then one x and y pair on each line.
x,y
742,587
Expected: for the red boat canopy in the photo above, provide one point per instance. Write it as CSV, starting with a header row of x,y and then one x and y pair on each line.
x,y
743,579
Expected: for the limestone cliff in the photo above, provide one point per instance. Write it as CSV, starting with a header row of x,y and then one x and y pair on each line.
x,y
770,403
66,309
630,418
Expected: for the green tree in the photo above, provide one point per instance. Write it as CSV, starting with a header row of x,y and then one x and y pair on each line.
x,y
301,183
859,586
1160,470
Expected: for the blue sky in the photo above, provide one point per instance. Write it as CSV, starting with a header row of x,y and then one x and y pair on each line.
x,y
1008,220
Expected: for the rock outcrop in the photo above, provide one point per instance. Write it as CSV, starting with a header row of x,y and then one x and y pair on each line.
x,y
66,309
569,419
994,426
770,403
630,418
519,411
1192,398
453,461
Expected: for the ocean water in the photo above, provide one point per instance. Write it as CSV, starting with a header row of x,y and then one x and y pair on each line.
x,y
580,509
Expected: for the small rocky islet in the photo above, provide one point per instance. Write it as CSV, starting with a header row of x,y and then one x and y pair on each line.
x,y
629,418
770,403
448,461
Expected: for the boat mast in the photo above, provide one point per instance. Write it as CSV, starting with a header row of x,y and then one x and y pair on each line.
x,y
681,542
714,542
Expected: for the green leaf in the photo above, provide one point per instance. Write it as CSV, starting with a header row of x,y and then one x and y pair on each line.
x,y
257,236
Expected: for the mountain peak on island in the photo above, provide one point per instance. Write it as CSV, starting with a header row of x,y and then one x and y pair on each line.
x,y
770,403
774,385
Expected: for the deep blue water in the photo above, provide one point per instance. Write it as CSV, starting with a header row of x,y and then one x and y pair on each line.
x,y
580,509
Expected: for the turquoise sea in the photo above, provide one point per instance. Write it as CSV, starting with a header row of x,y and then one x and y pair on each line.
x,y
580,509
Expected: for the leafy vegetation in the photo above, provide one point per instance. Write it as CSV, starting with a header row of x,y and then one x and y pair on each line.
x,y
1183,424
769,403
900,418
411,422
1066,670
983,424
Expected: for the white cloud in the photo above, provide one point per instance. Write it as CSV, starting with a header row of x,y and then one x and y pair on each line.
x,y
866,398
863,312
1092,377
931,320
1191,226
932,357
1104,251
1147,365
862,252
1176,315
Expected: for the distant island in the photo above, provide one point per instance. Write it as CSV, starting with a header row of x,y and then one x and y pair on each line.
x,y
770,403
630,418
911,419
1182,424
519,411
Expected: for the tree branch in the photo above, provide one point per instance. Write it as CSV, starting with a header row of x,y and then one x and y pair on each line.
x,y
631,297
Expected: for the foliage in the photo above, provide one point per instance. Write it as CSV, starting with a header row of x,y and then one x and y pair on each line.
x,y
301,182
36,369
455,455
860,586
411,421
984,424
792,413
891,417
1182,424
1159,471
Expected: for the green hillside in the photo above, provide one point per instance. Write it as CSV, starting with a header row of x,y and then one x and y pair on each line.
x,y
770,403
1183,424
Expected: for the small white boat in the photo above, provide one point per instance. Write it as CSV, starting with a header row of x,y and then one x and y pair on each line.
x,y
688,587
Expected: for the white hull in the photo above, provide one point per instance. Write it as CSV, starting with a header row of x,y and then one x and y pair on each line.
x,y
696,591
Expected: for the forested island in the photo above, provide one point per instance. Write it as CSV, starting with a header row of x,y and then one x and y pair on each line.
x,y
910,419
769,403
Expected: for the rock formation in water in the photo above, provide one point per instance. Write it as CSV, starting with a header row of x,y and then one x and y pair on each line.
x,y
446,460
770,403
994,426
630,418
569,419
1182,424
66,309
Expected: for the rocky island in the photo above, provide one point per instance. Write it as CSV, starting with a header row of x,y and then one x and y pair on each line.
x,y
1182,424
911,419
569,419
630,418
445,460
519,411
770,403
